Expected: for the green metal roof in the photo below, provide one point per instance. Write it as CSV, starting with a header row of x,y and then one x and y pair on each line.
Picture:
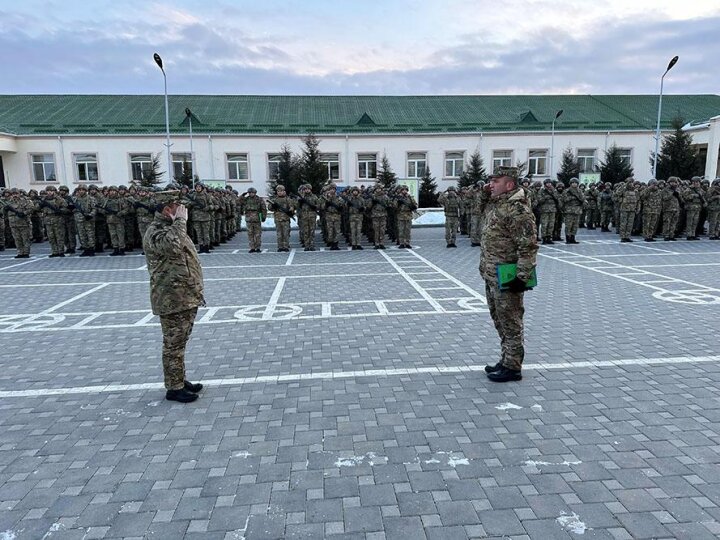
x,y
142,114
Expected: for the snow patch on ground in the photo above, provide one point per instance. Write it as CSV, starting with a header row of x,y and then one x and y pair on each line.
x,y
572,523
242,454
507,407
537,407
371,458
8,535
531,463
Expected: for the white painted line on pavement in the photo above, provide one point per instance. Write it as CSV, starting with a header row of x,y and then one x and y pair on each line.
x,y
22,264
291,256
272,303
294,377
414,284
71,300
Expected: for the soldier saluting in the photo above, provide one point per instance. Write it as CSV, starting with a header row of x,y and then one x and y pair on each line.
x,y
176,289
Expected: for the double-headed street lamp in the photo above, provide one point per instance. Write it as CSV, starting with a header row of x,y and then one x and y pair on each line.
x,y
552,144
657,129
159,62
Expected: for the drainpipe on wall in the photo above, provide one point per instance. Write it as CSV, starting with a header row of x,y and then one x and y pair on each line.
x,y
606,140
347,159
62,163
212,158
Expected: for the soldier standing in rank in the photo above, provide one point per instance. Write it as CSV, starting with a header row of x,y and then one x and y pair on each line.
x,y
309,205
356,210
198,201
334,206
480,200
651,200
128,198
406,205
451,205
115,209
19,210
54,208
100,222
713,210
694,199
85,212
573,203
70,241
627,199
144,210
284,210
509,237
559,218
548,204
671,204
176,289
606,207
379,204
255,212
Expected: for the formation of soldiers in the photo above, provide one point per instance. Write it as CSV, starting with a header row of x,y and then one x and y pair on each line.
x,y
116,218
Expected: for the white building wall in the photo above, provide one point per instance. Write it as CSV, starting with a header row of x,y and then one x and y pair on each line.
x,y
210,152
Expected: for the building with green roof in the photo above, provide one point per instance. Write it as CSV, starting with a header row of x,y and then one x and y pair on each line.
x,y
107,139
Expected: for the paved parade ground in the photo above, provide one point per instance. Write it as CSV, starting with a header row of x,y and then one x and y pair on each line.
x,y
345,397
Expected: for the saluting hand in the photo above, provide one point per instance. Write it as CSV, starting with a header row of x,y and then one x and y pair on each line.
x,y
181,212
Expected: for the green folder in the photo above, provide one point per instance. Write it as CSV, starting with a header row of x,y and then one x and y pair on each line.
x,y
508,271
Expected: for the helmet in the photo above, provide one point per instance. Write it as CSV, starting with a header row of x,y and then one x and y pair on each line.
x,y
451,188
279,187
252,190
112,188
64,188
574,180
50,188
122,187
695,179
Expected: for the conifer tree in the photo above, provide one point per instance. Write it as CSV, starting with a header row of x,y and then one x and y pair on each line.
x,y
473,172
615,167
427,192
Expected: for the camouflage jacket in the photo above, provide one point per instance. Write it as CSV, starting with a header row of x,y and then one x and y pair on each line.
x,y
406,205
547,201
19,212
480,202
145,208
176,278
694,198
54,208
450,203
379,205
309,206
591,199
605,201
671,200
85,208
333,205
115,209
283,208
356,206
509,236
713,198
628,199
254,209
200,206
573,201
651,200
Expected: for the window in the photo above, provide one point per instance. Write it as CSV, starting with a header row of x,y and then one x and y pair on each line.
x,y
141,165
537,163
626,154
182,164
454,163
43,166
238,167
367,166
86,167
501,158
586,159
416,164
273,166
333,165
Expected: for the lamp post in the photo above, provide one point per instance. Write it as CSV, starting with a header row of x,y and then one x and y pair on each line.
x,y
552,144
657,128
188,113
159,62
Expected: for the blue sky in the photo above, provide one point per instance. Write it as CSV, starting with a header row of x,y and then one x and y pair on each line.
x,y
359,47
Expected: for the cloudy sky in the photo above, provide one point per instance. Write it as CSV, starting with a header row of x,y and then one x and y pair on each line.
x,y
359,46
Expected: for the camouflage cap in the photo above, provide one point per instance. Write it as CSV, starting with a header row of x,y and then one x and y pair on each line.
x,y
510,172
168,196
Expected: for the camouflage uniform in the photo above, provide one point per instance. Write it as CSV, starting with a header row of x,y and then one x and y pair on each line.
x,y
713,209
671,203
85,212
100,221
333,216
606,206
477,211
308,207
115,209
19,210
451,205
199,204
129,221
176,290
548,204
356,209
694,201
145,211
70,241
592,212
379,204
255,212
573,203
651,200
406,205
628,202
284,210
54,209
509,237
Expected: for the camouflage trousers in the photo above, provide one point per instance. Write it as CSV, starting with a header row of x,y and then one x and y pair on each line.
x,y
476,229
451,227
714,223
404,227
649,224
254,230
625,227
22,237
670,221
605,218
507,310
70,233
692,217
307,231
117,235
379,224
86,231
572,222
356,229
220,233
282,229
55,228
202,232
176,330
143,225
129,231
332,227
100,228
547,224
2,231
592,217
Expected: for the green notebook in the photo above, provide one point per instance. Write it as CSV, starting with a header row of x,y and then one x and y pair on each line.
x,y
507,272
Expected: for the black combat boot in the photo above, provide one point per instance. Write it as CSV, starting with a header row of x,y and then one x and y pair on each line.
x,y
70,251
493,369
360,247
334,247
115,252
505,375
91,252
84,253
182,396
60,255
194,388
122,252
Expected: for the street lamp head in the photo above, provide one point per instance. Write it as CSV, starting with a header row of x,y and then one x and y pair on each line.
x,y
158,60
558,114
672,63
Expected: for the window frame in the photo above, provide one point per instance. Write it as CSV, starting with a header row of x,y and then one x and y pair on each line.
x,y
536,160
76,168
31,157
415,163
629,150
366,178
174,161
593,159
328,164
229,161
131,163
454,161
500,161
270,178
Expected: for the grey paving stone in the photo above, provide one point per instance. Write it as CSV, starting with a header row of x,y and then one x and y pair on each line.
x,y
363,519
399,528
